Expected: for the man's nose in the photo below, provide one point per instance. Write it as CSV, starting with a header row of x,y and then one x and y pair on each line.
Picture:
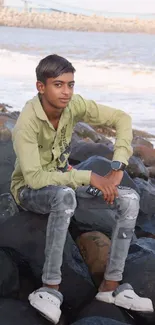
x,y
66,90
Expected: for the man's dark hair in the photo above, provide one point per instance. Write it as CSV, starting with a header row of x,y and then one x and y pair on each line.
x,y
53,66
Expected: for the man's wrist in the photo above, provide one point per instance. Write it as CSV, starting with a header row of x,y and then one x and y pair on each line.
x,y
118,165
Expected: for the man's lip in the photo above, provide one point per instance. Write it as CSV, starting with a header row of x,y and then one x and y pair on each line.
x,y
65,99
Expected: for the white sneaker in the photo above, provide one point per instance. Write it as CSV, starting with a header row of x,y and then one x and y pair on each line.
x,y
47,304
124,296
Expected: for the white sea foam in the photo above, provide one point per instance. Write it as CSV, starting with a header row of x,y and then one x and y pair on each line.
x,y
126,86
89,73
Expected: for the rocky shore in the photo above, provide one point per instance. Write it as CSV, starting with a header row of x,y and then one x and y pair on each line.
x,y
22,236
66,21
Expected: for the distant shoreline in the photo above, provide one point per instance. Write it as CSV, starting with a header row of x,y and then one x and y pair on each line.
x,y
66,21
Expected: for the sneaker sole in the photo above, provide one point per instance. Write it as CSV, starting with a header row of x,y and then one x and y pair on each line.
x,y
127,305
130,306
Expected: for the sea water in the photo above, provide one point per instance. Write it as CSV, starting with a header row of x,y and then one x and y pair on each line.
x,y
116,69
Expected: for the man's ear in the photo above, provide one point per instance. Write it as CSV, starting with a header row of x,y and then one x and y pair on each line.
x,y
40,87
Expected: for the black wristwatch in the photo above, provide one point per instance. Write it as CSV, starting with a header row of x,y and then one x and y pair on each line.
x,y
117,165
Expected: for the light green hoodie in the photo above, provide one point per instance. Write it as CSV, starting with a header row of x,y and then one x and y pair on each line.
x,y
42,152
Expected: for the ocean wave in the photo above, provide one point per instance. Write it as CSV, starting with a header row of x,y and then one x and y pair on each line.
x,y
15,64
88,73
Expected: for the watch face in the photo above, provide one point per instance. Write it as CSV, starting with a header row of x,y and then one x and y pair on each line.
x,y
116,165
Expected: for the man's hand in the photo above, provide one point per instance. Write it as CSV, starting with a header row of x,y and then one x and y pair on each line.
x,y
115,176
107,184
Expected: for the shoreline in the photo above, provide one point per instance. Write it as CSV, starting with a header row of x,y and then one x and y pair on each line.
x,y
72,22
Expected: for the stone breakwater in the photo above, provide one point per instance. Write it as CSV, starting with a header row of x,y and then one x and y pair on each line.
x,y
66,21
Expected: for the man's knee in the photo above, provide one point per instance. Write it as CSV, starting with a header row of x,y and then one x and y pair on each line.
x,y
65,199
129,202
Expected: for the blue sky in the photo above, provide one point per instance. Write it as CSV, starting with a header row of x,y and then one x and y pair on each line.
x,y
128,6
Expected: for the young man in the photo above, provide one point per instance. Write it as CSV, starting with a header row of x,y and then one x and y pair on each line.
x,y
43,181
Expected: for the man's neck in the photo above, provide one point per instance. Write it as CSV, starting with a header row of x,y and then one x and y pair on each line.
x,y
52,113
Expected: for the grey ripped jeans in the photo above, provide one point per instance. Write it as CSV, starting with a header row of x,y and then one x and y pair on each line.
x,y
60,202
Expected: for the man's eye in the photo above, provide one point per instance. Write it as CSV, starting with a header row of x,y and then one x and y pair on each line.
x,y
71,86
58,85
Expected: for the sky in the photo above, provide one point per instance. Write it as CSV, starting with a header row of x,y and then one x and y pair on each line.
x,y
126,6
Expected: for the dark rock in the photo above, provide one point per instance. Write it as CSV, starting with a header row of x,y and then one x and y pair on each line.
x,y
142,233
108,313
77,286
139,272
84,130
16,277
151,171
146,217
4,107
136,168
82,150
146,154
137,140
76,138
146,225
147,195
5,134
95,320
7,161
8,207
8,119
7,156
9,275
14,312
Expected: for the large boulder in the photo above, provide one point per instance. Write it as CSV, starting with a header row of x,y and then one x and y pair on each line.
x,y
94,247
140,273
9,275
14,312
146,154
136,168
138,140
145,226
151,171
7,156
84,130
16,277
82,150
97,320
7,161
101,313
8,207
146,218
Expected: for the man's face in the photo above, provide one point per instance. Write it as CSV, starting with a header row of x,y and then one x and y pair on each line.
x,y
57,91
